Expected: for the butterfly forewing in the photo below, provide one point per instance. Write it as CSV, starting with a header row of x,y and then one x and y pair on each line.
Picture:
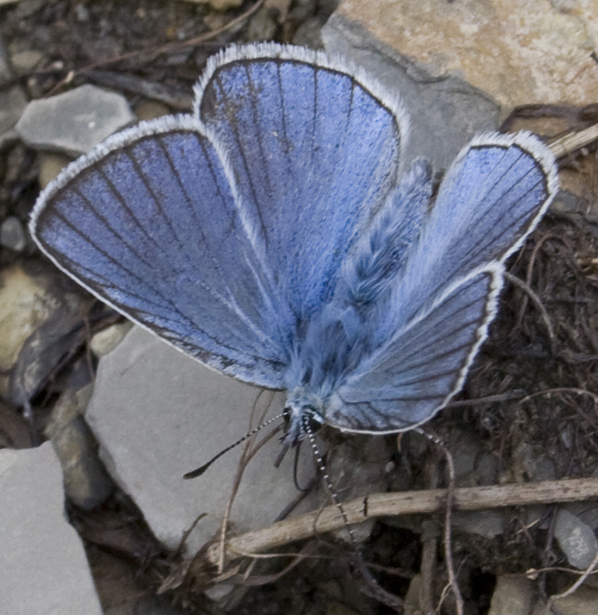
x,y
314,153
152,226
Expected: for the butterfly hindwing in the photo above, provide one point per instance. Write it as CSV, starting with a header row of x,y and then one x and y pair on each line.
x,y
489,201
416,372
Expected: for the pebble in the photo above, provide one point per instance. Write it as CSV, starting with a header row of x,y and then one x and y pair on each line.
x,y
43,567
158,414
73,122
6,74
23,62
576,539
12,106
512,596
12,234
105,341
85,481
50,165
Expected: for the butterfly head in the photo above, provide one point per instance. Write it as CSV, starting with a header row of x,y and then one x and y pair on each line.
x,y
303,414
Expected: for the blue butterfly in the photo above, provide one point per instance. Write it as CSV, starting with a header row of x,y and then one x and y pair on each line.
x,y
271,237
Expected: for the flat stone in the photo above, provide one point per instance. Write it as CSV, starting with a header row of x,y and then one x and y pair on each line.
x,y
576,539
512,596
12,234
75,121
445,112
586,511
487,523
12,106
23,62
38,309
5,68
85,481
518,51
158,414
584,601
43,568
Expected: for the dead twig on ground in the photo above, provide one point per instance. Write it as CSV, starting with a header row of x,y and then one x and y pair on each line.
x,y
406,503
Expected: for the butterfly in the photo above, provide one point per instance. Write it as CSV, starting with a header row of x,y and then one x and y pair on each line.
x,y
274,236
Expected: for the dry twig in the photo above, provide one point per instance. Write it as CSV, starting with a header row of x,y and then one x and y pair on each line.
x,y
405,503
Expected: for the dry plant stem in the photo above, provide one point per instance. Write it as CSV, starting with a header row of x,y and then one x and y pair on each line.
x,y
429,544
250,449
569,143
427,569
448,549
528,279
589,570
406,503
573,390
536,301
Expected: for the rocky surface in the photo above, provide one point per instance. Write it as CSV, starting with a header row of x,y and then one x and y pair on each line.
x,y
520,52
158,414
43,568
73,122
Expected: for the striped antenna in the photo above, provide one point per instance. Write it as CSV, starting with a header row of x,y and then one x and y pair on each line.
x,y
205,466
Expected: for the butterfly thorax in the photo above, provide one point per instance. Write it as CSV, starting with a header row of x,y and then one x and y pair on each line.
x,y
303,411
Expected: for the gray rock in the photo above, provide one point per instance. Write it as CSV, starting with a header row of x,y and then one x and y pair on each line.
x,y
262,26
85,481
12,106
576,539
465,450
512,596
357,468
75,121
43,568
26,8
486,468
413,599
586,511
106,340
309,33
445,112
12,234
23,62
5,69
158,414
545,470
584,601
487,523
